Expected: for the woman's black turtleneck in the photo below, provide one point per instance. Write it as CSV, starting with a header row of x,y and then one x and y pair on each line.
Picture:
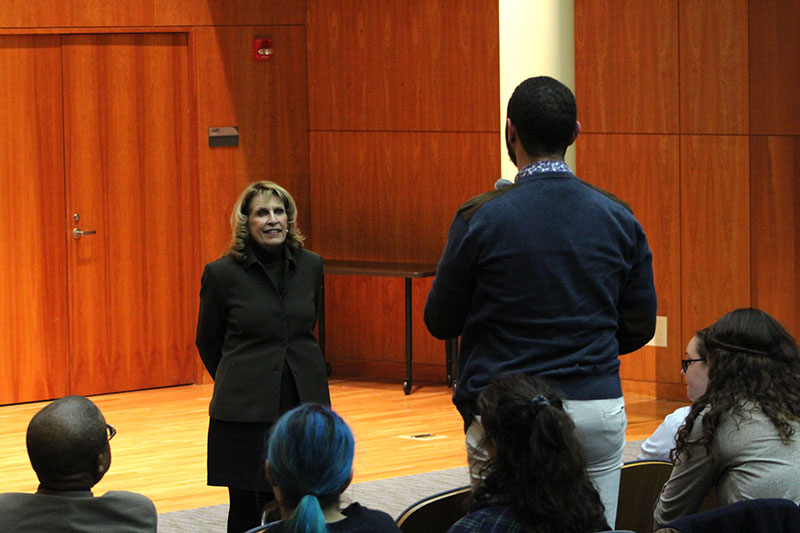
x,y
272,259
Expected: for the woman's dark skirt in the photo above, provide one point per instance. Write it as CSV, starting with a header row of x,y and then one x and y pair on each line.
x,y
237,451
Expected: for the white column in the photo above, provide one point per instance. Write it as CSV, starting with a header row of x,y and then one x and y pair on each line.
x,y
536,38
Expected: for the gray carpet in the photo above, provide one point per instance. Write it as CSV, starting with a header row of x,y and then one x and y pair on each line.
x,y
391,495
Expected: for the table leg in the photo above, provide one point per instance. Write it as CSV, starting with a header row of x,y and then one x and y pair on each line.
x,y
408,380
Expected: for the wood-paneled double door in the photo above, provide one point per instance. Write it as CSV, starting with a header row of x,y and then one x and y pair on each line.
x,y
96,280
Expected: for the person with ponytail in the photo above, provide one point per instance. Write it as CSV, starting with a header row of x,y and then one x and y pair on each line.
x,y
309,465
535,479
740,436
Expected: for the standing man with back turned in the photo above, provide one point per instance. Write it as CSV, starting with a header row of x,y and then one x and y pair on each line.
x,y
550,277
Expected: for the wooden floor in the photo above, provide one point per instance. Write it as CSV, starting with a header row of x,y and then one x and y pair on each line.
x,y
160,446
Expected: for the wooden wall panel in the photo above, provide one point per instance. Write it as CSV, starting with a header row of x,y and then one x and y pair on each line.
x,y
390,196
33,278
75,13
403,121
738,76
345,300
374,307
143,13
267,101
646,174
403,65
229,12
713,66
774,67
774,227
715,229
626,68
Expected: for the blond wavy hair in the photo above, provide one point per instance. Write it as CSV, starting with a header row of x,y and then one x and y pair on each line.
x,y
241,214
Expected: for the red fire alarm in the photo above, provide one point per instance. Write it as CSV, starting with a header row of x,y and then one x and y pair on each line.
x,y
262,48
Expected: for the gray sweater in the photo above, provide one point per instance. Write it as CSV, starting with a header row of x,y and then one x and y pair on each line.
x,y
749,461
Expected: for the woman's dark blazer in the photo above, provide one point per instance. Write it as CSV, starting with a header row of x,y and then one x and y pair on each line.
x,y
245,332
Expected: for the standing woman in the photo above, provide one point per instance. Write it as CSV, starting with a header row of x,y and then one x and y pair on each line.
x,y
255,334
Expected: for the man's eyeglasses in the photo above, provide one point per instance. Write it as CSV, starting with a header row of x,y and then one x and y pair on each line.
x,y
686,362
111,431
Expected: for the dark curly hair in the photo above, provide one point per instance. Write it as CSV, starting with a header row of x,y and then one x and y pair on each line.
x,y
543,111
751,359
537,465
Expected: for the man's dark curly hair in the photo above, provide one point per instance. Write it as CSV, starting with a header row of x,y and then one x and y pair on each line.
x,y
544,112
538,466
751,359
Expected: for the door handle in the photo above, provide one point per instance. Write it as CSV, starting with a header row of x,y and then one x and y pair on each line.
x,y
77,233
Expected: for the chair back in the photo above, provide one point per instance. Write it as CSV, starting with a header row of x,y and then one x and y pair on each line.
x,y
640,484
435,514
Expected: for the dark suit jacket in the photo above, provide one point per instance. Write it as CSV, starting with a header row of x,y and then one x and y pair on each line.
x,y
246,331
77,512
767,515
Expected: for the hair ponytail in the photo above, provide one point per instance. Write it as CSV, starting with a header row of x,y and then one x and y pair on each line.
x,y
307,517
310,456
537,464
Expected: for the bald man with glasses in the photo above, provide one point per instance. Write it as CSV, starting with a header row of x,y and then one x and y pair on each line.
x,y
68,446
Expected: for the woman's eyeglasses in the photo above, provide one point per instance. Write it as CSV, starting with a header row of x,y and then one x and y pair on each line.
x,y
111,431
686,362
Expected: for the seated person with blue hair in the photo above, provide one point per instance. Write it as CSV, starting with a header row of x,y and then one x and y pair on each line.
x,y
68,447
309,465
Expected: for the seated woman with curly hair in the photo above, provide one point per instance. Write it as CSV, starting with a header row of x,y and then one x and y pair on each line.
x,y
535,479
740,437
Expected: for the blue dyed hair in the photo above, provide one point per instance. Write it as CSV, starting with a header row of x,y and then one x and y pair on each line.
x,y
310,456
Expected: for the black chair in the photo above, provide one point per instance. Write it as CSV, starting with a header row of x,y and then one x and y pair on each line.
x,y
640,484
435,514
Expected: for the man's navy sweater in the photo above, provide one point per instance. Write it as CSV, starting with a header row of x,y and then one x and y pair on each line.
x,y
550,277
